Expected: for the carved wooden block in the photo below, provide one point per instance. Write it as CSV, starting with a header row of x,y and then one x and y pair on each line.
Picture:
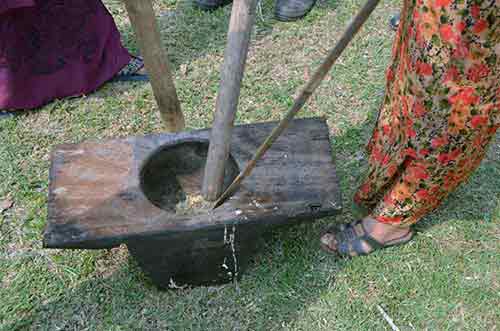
x,y
105,193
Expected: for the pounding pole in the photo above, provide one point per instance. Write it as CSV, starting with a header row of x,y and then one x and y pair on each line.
x,y
238,40
304,95
146,30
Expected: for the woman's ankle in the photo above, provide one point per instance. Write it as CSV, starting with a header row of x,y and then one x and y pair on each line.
x,y
383,231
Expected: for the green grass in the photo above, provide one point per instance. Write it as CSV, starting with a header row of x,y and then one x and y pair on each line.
x,y
446,279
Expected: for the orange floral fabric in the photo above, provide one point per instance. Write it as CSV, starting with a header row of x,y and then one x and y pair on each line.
x,y
441,107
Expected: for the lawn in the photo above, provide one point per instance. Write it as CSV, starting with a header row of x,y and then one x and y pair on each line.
x,y
448,278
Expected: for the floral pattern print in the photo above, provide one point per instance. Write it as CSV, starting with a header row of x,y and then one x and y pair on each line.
x,y
441,108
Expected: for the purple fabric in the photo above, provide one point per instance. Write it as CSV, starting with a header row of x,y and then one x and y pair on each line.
x,y
55,49
12,4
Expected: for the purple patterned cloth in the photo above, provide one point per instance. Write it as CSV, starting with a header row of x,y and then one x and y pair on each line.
x,y
12,4
52,49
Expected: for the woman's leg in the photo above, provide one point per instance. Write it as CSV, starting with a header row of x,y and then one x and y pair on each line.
x,y
445,111
389,140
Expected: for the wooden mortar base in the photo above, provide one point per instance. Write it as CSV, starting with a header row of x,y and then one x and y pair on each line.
x,y
102,194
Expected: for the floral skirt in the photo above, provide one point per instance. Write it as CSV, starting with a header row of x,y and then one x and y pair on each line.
x,y
441,107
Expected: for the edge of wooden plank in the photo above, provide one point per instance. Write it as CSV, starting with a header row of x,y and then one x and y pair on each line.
x,y
70,235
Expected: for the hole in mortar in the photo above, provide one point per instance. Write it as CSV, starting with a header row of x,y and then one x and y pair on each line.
x,y
172,177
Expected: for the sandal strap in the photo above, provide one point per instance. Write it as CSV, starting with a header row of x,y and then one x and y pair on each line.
x,y
396,241
347,232
374,243
343,248
348,241
135,64
359,248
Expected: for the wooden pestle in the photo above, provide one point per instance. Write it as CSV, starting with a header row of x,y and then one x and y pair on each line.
x,y
238,40
351,30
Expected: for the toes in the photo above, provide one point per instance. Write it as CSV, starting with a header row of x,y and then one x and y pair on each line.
x,y
329,241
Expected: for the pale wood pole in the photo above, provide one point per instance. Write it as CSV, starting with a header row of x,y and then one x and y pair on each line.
x,y
146,30
235,55
320,74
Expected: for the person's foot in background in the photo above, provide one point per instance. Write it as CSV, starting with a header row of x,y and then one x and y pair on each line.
x,y
210,4
292,10
285,10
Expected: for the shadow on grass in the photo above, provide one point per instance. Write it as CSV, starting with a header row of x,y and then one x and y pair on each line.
x,y
188,34
283,280
288,276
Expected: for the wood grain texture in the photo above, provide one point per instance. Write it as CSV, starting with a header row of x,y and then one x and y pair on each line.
x,y
238,40
349,33
146,30
95,199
